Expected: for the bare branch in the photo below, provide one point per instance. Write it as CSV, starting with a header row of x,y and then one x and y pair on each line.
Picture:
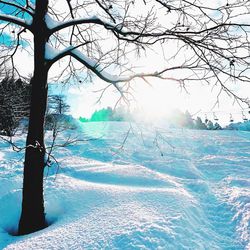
x,y
24,9
106,10
15,20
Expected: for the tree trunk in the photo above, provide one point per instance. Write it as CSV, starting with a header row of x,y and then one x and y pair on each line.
x,y
32,215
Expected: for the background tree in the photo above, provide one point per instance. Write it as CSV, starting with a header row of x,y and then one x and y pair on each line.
x,y
200,40
57,105
217,126
14,104
56,110
108,114
210,125
56,117
199,124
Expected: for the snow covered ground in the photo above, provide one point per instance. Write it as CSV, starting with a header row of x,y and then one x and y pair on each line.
x,y
162,189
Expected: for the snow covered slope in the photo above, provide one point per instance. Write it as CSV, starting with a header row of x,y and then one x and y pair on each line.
x,y
162,189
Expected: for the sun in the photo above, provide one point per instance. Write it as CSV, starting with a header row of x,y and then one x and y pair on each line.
x,y
159,100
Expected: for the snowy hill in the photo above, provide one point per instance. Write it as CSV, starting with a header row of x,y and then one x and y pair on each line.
x,y
162,189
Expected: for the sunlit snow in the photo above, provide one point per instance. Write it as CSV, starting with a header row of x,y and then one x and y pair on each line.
x,y
162,189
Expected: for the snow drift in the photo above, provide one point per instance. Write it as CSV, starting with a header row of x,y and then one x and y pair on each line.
x,y
161,189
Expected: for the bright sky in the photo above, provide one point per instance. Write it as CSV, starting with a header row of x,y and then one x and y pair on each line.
x,y
153,102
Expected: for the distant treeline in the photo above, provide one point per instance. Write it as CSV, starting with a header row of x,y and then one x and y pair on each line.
x,y
108,114
186,120
177,119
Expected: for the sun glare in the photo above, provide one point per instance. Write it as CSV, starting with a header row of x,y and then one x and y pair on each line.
x,y
159,100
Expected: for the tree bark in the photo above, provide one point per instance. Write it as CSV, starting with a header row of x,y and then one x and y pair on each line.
x,y
32,216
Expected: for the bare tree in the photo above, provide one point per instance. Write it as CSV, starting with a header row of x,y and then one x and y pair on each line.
x,y
56,117
200,40
57,105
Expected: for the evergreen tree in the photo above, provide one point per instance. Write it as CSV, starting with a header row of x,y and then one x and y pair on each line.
x,y
199,124
217,126
210,125
14,104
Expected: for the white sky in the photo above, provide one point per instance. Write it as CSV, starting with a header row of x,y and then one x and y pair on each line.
x,y
153,102
164,96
